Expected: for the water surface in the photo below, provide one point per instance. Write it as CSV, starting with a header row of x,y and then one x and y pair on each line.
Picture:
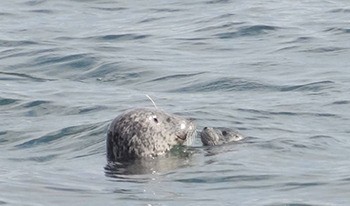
x,y
277,71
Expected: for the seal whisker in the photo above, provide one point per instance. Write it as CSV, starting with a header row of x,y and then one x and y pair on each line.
x,y
152,101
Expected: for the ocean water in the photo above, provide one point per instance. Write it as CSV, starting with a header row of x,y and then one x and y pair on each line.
x,y
278,71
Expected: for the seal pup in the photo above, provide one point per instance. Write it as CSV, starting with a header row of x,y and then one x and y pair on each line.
x,y
146,132
219,135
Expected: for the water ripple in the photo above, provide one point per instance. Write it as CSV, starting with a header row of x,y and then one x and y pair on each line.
x,y
225,25
234,178
341,102
72,60
324,49
294,204
239,84
119,37
112,9
218,2
297,185
49,138
34,2
224,84
175,76
42,11
7,101
14,76
342,10
12,43
271,113
115,72
313,87
72,142
338,30
248,31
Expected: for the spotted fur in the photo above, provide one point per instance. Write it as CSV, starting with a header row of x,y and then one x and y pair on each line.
x,y
146,132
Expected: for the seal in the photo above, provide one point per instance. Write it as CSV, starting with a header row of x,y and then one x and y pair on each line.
x,y
146,132
219,135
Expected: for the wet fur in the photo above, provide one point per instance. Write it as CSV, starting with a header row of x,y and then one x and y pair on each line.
x,y
144,132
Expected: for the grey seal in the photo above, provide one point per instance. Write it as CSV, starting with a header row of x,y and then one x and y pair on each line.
x,y
219,135
146,132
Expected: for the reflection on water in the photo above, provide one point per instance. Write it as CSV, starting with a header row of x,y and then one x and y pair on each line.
x,y
178,157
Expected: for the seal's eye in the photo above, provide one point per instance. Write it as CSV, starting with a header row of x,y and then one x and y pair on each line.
x,y
155,119
224,133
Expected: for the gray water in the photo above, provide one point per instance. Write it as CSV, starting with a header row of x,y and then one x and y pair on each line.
x,y
278,71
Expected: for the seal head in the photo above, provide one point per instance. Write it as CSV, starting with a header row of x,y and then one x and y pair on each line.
x,y
219,135
146,132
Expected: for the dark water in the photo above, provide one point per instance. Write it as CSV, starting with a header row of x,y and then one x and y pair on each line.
x,y
278,71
